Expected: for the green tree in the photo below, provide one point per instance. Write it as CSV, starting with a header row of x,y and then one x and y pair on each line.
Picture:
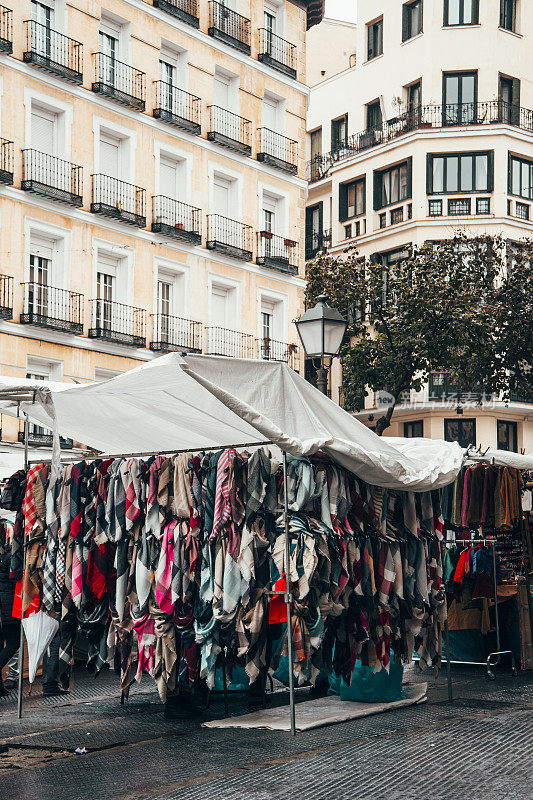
x,y
431,311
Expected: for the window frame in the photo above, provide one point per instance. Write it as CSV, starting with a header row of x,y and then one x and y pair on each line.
x,y
475,14
343,199
336,143
410,425
479,201
523,162
407,20
512,426
460,422
460,104
378,184
503,14
371,28
469,154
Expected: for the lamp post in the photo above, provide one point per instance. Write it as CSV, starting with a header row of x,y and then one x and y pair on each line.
x,y
321,330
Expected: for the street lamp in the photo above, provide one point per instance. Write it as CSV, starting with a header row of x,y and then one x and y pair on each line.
x,y
321,330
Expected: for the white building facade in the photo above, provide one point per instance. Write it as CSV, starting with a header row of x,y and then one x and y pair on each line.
x,y
429,133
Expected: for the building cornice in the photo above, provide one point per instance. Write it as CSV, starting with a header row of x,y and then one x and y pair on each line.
x,y
412,410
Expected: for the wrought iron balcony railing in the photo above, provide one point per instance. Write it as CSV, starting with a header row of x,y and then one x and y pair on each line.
x,y
317,241
225,342
271,350
175,333
178,107
419,118
277,52
176,219
117,322
38,437
6,297
277,251
53,51
277,150
229,237
6,161
230,130
119,200
50,307
186,10
229,27
119,81
6,30
52,177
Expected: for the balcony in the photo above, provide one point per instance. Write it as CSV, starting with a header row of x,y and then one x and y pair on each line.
x,y
52,177
118,200
186,10
177,107
119,323
459,115
176,219
316,242
50,307
225,342
38,437
6,297
119,81
6,162
174,333
277,151
230,27
277,252
53,52
271,350
6,30
229,237
277,53
230,130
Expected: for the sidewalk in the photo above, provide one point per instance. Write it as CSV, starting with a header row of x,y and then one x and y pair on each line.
x,y
480,747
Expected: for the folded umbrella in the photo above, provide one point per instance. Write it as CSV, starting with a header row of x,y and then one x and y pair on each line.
x,y
39,630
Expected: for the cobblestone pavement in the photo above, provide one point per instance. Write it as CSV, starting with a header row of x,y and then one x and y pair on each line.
x,y
479,747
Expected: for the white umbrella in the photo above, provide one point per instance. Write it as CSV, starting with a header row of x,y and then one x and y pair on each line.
x,y
39,629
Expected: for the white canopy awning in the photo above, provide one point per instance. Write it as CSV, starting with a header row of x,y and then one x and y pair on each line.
x,y
193,402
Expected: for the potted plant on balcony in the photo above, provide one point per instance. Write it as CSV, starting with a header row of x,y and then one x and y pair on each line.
x,y
180,226
289,243
266,234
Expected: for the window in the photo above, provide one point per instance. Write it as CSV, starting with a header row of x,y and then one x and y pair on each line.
x,y
507,436
347,231
393,185
462,431
508,15
459,98
509,100
375,39
316,144
468,172
413,430
521,177
461,12
414,101
313,230
459,208
43,134
483,205
374,118
105,284
396,216
435,208
411,20
382,220
110,155
221,196
410,211
271,113
352,199
220,302
522,211
339,132
38,369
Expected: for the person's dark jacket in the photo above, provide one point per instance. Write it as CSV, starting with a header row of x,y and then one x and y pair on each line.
x,y
7,584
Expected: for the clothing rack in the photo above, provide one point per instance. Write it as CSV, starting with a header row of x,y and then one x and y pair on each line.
x,y
493,658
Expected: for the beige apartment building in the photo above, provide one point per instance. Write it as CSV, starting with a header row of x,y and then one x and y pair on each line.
x,y
429,131
152,182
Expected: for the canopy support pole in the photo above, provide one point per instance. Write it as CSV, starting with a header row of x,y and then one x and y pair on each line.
x,y
288,596
21,645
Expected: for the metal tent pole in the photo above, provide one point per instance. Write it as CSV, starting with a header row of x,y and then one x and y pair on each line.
x,y
447,637
288,596
21,645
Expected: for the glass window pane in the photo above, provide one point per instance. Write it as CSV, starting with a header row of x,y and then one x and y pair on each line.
x,y
452,174
516,172
403,182
351,200
468,86
394,189
452,89
482,173
467,13
438,174
526,187
466,173
453,12
360,197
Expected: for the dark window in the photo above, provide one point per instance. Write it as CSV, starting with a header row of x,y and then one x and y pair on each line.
x,y
509,207
316,144
413,430
460,430
459,98
411,19
522,211
357,228
461,12
396,216
509,100
483,205
414,103
410,211
352,199
459,208
521,177
435,208
347,231
508,15
393,185
466,172
507,436
374,118
314,235
375,39
339,132
382,220
443,387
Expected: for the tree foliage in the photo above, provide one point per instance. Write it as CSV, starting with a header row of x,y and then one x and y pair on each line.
x,y
451,307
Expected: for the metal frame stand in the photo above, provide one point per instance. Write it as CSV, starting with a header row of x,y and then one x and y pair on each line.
x,y
288,596
494,658
21,645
